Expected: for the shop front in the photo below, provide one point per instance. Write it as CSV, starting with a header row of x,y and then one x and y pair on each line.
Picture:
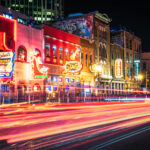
x,y
7,59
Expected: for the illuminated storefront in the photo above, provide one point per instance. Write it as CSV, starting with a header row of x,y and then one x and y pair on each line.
x,y
68,75
7,58
63,58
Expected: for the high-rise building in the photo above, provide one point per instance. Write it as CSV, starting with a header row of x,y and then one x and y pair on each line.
x,y
41,10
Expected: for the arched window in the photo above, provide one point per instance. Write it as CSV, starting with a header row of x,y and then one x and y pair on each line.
x,y
22,54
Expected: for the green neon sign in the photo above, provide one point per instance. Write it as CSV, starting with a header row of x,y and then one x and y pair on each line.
x,y
40,76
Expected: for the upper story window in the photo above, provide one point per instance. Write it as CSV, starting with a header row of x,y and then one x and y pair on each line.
x,y
131,44
91,59
67,54
127,43
82,57
72,52
127,57
86,57
60,53
22,54
54,52
47,50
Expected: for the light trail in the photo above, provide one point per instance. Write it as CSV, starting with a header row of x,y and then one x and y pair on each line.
x,y
38,121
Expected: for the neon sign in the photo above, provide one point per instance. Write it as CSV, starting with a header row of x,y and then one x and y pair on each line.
x,y
39,70
73,67
7,31
118,68
6,64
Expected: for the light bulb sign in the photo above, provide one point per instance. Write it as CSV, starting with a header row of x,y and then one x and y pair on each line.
x,y
73,67
118,68
6,64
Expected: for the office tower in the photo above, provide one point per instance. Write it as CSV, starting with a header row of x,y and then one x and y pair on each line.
x,y
40,10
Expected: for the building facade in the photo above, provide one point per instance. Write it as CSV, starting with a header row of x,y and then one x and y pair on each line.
x,y
21,54
132,49
69,78
117,69
94,27
145,66
39,10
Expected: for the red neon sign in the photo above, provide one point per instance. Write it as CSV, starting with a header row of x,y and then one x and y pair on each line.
x,y
8,29
39,70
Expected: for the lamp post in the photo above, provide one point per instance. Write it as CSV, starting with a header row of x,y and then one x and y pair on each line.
x,y
98,70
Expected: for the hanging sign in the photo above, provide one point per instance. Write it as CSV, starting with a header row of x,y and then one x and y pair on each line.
x,y
118,68
6,64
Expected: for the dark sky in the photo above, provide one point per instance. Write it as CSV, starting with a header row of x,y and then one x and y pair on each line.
x,y
133,15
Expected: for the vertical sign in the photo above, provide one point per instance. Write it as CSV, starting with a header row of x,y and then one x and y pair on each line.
x,y
118,68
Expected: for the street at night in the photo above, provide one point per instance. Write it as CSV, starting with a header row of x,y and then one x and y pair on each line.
x,y
74,75
92,126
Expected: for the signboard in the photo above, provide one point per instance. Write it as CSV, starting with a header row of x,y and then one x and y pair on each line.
x,y
6,64
81,26
118,68
39,70
73,67
7,33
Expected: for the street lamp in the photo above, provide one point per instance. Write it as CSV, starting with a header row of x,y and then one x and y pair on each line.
x,y
98,70
140,77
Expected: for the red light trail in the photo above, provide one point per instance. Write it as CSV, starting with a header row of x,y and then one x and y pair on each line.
x,y
26,122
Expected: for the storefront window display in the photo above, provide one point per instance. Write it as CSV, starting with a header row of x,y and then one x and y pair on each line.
x,y
67,80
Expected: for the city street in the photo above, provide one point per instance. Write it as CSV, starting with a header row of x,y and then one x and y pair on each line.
x,y
97,125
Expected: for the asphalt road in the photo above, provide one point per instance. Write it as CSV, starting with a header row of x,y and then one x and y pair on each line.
x,y
90,126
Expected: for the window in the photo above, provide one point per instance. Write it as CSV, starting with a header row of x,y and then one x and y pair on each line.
x,y
47,50
131,44
130,58
72,52
127,57
67,80
54,78
82,57
60,53
127,43
144,66
22,54
67,54
86,60
54,52
90,59
128,72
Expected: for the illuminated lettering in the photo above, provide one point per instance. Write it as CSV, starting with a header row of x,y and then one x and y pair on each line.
x,y
73,66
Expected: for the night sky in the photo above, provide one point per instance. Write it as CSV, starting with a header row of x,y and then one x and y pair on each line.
x,y
135,16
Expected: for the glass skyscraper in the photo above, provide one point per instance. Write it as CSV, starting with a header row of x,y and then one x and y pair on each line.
x,y
41,10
